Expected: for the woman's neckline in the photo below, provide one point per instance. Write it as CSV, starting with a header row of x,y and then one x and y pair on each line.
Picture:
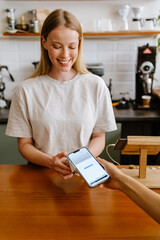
x,y
63,82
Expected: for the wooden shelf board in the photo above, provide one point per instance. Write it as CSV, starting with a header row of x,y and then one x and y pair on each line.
x,y
93,34
121,33
21,34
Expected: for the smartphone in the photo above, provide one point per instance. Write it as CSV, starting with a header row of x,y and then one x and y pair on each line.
x,y
88,167
120,143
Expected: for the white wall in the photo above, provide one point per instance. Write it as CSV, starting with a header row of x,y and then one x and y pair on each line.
x,y
118,55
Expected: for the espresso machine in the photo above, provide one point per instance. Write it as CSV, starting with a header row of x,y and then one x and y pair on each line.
x,y
146,66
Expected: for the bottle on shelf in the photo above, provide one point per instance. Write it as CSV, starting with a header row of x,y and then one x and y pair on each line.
x,y
34,23
22,26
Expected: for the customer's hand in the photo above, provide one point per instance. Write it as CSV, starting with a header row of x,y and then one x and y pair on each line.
x,y
114,172
57,164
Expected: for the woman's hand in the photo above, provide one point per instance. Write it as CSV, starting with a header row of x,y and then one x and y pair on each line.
x,y
58,165
32,154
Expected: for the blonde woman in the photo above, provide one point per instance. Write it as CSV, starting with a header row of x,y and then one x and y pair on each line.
x,y
62,106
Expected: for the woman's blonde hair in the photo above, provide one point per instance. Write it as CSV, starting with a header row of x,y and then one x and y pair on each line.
x,y
57,18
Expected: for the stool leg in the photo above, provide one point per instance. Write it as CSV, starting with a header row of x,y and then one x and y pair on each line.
x,y
142,163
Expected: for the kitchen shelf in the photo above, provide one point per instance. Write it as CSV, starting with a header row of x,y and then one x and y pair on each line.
x,y
94,34
18,34
122,33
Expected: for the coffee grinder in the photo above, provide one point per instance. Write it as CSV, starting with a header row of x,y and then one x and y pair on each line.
x,y
145,73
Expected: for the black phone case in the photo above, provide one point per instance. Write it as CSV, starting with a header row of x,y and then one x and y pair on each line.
x,y
120,144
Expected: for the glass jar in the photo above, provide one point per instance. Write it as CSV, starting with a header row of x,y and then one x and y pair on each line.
x,y
150,24
137,24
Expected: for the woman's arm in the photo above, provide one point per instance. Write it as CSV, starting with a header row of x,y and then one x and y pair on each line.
x,y
32,154
97,143
144,197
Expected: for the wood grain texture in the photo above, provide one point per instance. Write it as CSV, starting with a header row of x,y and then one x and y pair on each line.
x,y
156,92
94,34
142,146
37,204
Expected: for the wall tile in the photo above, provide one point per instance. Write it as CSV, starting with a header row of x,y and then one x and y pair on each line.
x,y
106,45
125,67
105,57
126,57
129,46
118,55
119,58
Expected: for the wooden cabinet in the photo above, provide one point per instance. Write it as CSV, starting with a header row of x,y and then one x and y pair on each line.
x,y
111,138
9,153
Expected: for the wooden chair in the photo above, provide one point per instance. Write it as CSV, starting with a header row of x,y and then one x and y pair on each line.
x,y
142,146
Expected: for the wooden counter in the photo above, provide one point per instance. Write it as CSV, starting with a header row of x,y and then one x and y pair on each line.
x,y
129,115
36,204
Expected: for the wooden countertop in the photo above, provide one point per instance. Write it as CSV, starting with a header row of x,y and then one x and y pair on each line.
x,y
127,115
37,204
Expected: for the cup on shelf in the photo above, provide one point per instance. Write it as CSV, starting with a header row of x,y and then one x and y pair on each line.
x,y
146,100
106,25
123,12
137,10
102,25
150,24
136,24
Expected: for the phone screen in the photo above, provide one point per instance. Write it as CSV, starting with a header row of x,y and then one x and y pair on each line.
x,y
89,168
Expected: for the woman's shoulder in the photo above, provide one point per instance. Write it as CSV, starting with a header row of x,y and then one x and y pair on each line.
x,y
93,79
27,85
30,83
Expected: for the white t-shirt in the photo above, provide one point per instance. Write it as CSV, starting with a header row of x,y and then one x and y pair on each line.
x,y
60,116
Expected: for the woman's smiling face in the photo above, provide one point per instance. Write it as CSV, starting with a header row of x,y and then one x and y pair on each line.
x,y
62,46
